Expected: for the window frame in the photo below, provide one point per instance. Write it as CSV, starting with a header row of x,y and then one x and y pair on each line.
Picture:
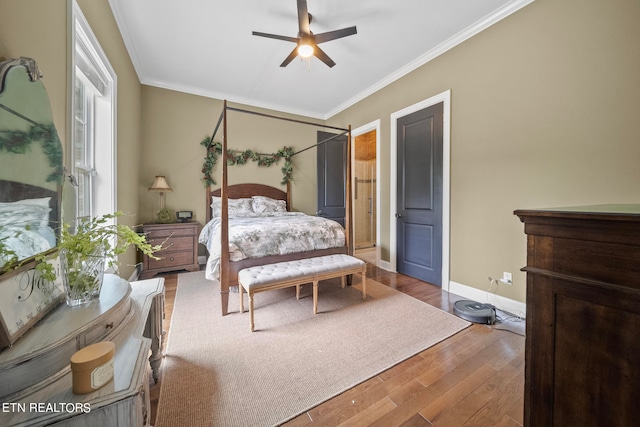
x,y
90,65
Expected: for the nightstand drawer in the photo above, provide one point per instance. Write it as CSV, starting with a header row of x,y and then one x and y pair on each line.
x,y
170,259
162,234
173,243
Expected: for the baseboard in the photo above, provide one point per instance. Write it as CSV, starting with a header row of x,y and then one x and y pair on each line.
x,y
136,272
505,304
385,265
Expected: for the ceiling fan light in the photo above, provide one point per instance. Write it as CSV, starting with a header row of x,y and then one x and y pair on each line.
x,y
305,50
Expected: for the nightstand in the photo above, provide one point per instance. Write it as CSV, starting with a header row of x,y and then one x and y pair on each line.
x,y
180,241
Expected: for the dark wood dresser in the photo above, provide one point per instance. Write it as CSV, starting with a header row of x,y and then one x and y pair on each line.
x,y
583,316
181,242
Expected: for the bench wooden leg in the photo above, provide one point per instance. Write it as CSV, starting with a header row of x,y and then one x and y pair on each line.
x,y
315,297
240,293
342,281
364,283
251,311
297,291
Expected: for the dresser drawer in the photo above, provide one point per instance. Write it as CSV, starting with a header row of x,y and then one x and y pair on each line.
x,y
107,325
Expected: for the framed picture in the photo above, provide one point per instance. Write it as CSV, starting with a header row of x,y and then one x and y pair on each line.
x,y
25,298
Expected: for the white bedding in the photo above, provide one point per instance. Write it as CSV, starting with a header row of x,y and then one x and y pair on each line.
x,y
26,242
24,228
271,233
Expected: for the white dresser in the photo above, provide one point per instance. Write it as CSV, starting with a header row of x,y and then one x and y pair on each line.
x,y
35,376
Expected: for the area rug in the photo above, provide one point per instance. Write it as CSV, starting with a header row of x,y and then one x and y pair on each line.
x,y
216,372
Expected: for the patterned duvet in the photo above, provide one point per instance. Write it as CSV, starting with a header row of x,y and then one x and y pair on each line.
x,y
275,233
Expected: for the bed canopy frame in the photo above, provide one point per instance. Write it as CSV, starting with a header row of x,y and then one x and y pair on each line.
x,y
228,272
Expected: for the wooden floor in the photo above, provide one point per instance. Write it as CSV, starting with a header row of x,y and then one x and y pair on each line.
x,y
475,378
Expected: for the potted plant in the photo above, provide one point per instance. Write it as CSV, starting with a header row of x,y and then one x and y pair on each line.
x,y
83,255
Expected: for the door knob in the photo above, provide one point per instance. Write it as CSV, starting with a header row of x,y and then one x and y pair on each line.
x,y
398,215
319,213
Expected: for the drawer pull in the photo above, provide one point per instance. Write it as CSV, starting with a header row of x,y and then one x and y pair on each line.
x,y
172,259
109,325
172,243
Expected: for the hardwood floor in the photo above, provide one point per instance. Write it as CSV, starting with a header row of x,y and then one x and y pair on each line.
x,y
475,378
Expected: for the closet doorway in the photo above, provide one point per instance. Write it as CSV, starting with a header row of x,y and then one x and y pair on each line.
x,y
365,191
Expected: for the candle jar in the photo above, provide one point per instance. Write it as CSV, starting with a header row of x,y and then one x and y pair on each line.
x,y
92,367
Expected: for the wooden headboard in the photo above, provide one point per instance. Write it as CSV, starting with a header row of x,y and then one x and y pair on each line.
x,y
239,191
11,191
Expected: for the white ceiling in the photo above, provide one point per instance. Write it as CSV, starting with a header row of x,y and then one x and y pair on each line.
x,y
205,47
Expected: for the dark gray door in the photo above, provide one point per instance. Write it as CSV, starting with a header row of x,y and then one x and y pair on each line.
x,y
419,203
331,177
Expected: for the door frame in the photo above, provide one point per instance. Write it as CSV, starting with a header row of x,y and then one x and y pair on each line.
x,y
374,125
445,98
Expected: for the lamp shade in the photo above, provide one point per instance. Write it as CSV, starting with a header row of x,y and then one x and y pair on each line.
x,y
160,184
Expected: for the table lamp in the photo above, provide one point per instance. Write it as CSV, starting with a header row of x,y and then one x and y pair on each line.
x,y
161,185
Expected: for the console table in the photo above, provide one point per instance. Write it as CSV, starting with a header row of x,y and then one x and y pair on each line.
x,y
582,350
35,376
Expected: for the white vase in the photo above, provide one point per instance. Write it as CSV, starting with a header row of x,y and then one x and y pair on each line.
x,y
82,275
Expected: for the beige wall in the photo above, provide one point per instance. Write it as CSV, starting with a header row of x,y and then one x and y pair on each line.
x,y
175,124
38,29
545,108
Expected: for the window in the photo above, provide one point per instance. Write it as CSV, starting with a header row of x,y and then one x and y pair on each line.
x,y
92,154
83,145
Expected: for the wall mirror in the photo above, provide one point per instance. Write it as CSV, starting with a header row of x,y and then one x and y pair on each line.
x,y
31,169
31,177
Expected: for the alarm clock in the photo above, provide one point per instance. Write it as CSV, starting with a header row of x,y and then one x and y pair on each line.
x,y
184,216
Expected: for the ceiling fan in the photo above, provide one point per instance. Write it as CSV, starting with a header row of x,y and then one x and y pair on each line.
x,y
307,42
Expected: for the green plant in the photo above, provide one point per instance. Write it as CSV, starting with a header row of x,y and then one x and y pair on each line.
x,y
8,256
95,234
237,157
166,216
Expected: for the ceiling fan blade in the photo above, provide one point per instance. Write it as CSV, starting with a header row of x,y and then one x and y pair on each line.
x,y
289,58
275,36
332,35
303,18
322,56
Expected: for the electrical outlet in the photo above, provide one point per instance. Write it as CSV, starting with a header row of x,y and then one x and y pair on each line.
x,y
507,278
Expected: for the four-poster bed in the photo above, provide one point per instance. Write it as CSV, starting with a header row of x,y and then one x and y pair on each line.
x,y
228,269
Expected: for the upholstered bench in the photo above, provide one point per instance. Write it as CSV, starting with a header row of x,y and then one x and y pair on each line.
x,y
295,273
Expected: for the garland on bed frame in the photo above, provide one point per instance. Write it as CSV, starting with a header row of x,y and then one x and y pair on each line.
x,y
236,157
18,142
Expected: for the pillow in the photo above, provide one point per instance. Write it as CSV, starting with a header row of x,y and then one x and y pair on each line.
x,y
262,204
43,201
237,207
29,212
